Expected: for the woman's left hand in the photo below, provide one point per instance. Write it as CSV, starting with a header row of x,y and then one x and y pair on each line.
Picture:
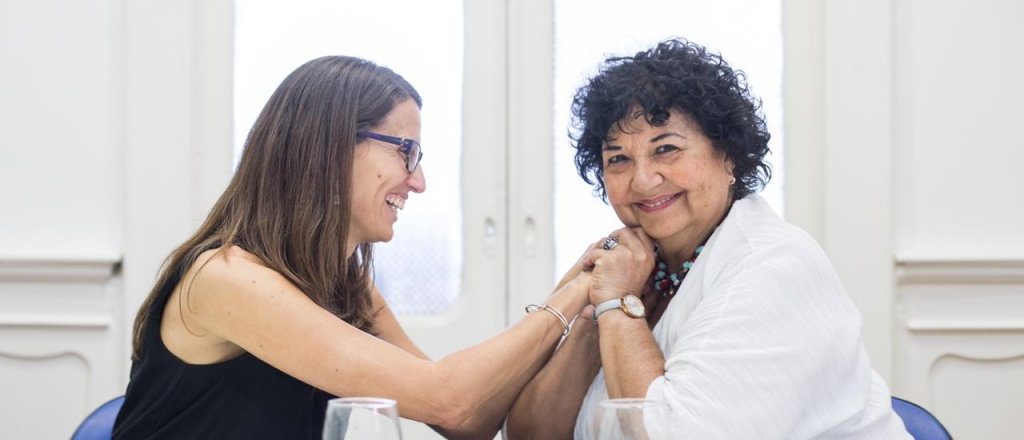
x,y
622,270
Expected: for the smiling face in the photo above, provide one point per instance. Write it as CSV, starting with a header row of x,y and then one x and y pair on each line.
x,y
668,179
380,182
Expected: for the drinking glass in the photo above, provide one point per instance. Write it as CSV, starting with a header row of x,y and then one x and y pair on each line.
x,y
632,419
361,418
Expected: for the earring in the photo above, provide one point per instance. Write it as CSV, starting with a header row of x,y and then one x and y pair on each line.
x,y
732,181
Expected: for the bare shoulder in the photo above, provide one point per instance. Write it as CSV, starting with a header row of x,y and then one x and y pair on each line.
x,y
232,268
221,286
230,277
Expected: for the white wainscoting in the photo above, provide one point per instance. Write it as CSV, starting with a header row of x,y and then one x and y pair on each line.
x,y
960,343
60,355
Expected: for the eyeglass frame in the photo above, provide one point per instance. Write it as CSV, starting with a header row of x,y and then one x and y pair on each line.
x,y
406,146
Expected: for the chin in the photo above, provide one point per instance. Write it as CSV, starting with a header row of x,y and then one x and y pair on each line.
x,y
382,237
658,233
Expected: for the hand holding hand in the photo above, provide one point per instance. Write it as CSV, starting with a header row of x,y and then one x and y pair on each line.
x,y
621,270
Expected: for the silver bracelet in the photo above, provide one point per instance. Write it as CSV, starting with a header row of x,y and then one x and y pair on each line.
x,y
554,311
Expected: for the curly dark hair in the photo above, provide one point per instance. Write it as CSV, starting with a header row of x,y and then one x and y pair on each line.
x,y
675,75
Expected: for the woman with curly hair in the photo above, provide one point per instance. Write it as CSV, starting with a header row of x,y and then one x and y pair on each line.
x,y
706,301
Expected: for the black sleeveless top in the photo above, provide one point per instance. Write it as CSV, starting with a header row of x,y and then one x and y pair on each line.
x,y
242,398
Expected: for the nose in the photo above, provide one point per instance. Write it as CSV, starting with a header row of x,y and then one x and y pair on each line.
x,y
416,181
646,177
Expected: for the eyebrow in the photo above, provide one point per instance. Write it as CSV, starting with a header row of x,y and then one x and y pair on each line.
x,y
665,135
653,140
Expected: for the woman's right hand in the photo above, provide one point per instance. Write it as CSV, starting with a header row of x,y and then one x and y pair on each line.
x,y
578,288
622,270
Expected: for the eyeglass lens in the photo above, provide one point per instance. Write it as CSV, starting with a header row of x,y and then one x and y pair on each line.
x,y
413,156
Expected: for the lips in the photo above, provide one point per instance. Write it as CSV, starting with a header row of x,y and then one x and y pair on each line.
x,y
657,204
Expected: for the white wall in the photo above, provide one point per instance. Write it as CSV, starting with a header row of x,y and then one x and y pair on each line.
x,y
61,119
61,201
959,243
903,153
116,121
959,113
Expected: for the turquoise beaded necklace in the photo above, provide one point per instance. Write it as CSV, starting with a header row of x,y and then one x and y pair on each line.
x,y
669,284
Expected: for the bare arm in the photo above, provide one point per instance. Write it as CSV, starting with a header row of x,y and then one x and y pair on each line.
x,y
630,355
485,420
547,407
259,311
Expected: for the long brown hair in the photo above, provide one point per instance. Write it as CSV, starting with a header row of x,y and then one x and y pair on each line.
x,y
289,200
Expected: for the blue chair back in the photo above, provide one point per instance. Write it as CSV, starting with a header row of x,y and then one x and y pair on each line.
x,y
920,423
100,424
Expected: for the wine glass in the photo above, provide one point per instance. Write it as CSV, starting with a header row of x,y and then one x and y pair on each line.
x,y
361,418
632,419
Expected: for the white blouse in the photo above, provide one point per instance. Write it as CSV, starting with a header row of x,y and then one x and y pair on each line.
x,y
762,342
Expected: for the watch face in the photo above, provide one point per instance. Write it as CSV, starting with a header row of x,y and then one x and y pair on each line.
x,y
633,306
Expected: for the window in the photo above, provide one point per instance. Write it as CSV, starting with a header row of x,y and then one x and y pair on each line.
x,y
419,271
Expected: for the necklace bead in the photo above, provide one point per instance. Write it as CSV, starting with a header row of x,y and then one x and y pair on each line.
x,y
669,284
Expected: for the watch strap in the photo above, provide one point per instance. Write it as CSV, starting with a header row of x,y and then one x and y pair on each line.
x,y
611,304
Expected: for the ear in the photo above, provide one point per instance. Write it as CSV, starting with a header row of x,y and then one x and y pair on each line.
x,y
729,165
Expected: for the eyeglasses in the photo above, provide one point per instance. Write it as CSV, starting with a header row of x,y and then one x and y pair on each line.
x,y
409,148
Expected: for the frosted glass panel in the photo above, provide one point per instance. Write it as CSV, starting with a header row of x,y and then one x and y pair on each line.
x,y
748,33
419,270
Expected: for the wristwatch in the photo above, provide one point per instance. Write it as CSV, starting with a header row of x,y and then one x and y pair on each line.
x,y
630,304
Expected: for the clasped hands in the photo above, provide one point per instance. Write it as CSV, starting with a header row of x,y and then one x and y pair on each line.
x,y
624,269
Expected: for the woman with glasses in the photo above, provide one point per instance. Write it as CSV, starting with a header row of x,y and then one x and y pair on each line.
x,y
269,309
706,302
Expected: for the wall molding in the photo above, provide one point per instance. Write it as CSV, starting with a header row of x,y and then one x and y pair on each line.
x,y
47,357
959,271
58,268
51,321
958,325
